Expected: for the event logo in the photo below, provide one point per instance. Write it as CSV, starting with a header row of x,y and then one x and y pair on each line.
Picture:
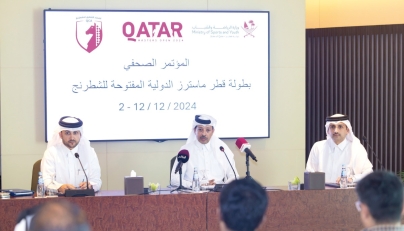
x,y
153,31
249,29
89,32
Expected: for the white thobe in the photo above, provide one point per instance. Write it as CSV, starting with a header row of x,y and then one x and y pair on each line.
x,y
328,157
210,162
59,162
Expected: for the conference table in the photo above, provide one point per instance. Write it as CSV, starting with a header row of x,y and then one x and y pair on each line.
x,y
329,209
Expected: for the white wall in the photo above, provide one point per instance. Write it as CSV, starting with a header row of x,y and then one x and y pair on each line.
x,y
281,157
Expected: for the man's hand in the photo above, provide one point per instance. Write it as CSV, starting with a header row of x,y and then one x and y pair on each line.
x,y
63,188
350,180
83,185
211,182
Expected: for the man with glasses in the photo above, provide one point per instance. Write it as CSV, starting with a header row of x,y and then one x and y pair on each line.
x,y
340,147
380,201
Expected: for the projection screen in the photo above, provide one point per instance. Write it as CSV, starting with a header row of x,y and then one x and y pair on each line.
x,y
144,75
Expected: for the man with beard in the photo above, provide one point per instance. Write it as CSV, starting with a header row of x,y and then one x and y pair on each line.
x,y
205,154
340,147
60,168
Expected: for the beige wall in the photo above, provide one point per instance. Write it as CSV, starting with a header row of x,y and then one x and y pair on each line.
x,y
342,13
281,157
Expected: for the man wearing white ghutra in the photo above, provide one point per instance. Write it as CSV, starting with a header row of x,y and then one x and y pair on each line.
x,y
60,168
205,154
340,147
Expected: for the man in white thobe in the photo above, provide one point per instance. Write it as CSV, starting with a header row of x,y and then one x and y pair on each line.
x,y
205,154
60,168
340,147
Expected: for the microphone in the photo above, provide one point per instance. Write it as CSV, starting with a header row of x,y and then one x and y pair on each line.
x,y
365,140
80,192
244,146
222,149
78,157
182,157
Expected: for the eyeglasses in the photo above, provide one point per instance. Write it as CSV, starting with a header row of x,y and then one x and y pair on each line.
x,y
358,205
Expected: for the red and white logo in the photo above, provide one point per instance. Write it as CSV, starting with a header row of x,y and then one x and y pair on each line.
x,y
249,28
89,34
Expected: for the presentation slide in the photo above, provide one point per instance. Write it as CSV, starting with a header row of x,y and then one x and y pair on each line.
x,y
144,75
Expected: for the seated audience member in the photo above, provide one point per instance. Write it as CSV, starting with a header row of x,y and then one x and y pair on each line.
x,y
242,205
25,217
205,154
60,168
59,216
380,201
340,147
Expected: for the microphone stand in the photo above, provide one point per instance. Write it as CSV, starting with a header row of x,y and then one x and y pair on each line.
x,y
247,162
373,152
80,192
222,149
180,187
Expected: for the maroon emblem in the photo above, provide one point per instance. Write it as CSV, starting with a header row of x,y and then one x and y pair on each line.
x,y
89,35
249,28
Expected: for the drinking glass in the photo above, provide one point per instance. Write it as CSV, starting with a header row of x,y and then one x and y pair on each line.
x,y
204,179
51,192
292,186
350,173
154,188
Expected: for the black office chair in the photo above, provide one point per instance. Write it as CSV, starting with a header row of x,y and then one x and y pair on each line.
x,y
35,170
172,161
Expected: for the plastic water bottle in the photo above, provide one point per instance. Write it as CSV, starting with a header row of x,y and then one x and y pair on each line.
x,y
40,188
195,181
344,180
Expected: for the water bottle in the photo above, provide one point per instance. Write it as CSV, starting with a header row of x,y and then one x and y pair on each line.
x,y
195,181
40,188
344,180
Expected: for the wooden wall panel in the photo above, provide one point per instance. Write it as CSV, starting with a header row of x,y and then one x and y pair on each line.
x,y
358,71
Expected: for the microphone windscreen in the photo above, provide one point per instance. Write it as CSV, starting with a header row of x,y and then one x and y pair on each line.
x,y
183,156
76,155
221,148
240,141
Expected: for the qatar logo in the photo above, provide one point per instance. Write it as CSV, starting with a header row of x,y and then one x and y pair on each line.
x,y
152,30
249,28
89,33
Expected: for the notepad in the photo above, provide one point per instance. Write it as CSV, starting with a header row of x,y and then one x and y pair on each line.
x,y
18,192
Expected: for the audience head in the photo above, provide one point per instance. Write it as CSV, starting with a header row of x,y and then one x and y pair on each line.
x,y
25,217
380,198
59,216
242,205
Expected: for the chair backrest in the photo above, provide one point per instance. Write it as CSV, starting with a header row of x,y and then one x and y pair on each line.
x,y
171,165
35,170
